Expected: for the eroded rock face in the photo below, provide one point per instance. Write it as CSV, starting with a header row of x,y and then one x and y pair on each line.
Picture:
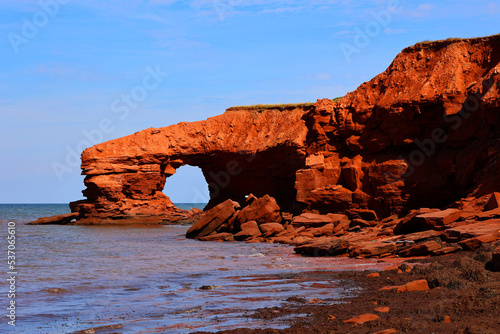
x,y
240,152
421,134
424,133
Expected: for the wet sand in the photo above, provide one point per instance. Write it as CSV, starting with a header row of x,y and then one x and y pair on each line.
x,y
464,297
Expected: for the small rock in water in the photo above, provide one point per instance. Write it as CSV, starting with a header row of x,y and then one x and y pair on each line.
x,y
208,287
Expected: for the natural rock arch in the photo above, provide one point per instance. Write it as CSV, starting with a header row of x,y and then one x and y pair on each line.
x,y
239,152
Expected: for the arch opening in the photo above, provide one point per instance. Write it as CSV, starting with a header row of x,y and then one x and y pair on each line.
x,y
187,188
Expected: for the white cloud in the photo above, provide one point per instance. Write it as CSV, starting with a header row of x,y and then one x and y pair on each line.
x,y
422,11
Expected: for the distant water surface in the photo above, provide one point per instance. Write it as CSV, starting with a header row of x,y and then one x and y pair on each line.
x,y
148,278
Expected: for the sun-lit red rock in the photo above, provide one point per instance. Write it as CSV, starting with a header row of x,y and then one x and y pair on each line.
x,y
435,220
248,230
213,219
423,133
361,319
263,210
419,285
476,242
270,229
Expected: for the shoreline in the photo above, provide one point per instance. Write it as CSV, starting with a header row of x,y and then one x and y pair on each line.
x,y
463,297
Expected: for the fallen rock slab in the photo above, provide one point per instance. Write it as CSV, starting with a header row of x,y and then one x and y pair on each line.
x,y
262,210
317,220
248,230
464,232
212,219
323,247
474,243
438,219
270,229
56,220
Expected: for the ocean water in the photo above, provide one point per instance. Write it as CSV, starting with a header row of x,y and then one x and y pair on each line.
x,y
149,279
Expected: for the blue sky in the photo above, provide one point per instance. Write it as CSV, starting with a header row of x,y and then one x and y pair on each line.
x,y
68,64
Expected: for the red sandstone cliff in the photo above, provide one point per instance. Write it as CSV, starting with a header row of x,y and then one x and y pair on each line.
x,y
422,133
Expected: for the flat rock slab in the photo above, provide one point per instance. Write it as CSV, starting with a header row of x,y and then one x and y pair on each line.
x,y
323,247
316,220
56,220
474,230
438,219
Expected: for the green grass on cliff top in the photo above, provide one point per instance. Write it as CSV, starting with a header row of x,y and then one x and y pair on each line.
x,y
453,39
277,106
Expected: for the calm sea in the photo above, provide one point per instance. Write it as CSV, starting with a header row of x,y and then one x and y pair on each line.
x,y
148,279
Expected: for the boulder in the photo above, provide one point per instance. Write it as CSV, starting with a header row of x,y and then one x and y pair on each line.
x,y
323,247
212,219
248,230
270,229
329,198
56,220
263,210
438,219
